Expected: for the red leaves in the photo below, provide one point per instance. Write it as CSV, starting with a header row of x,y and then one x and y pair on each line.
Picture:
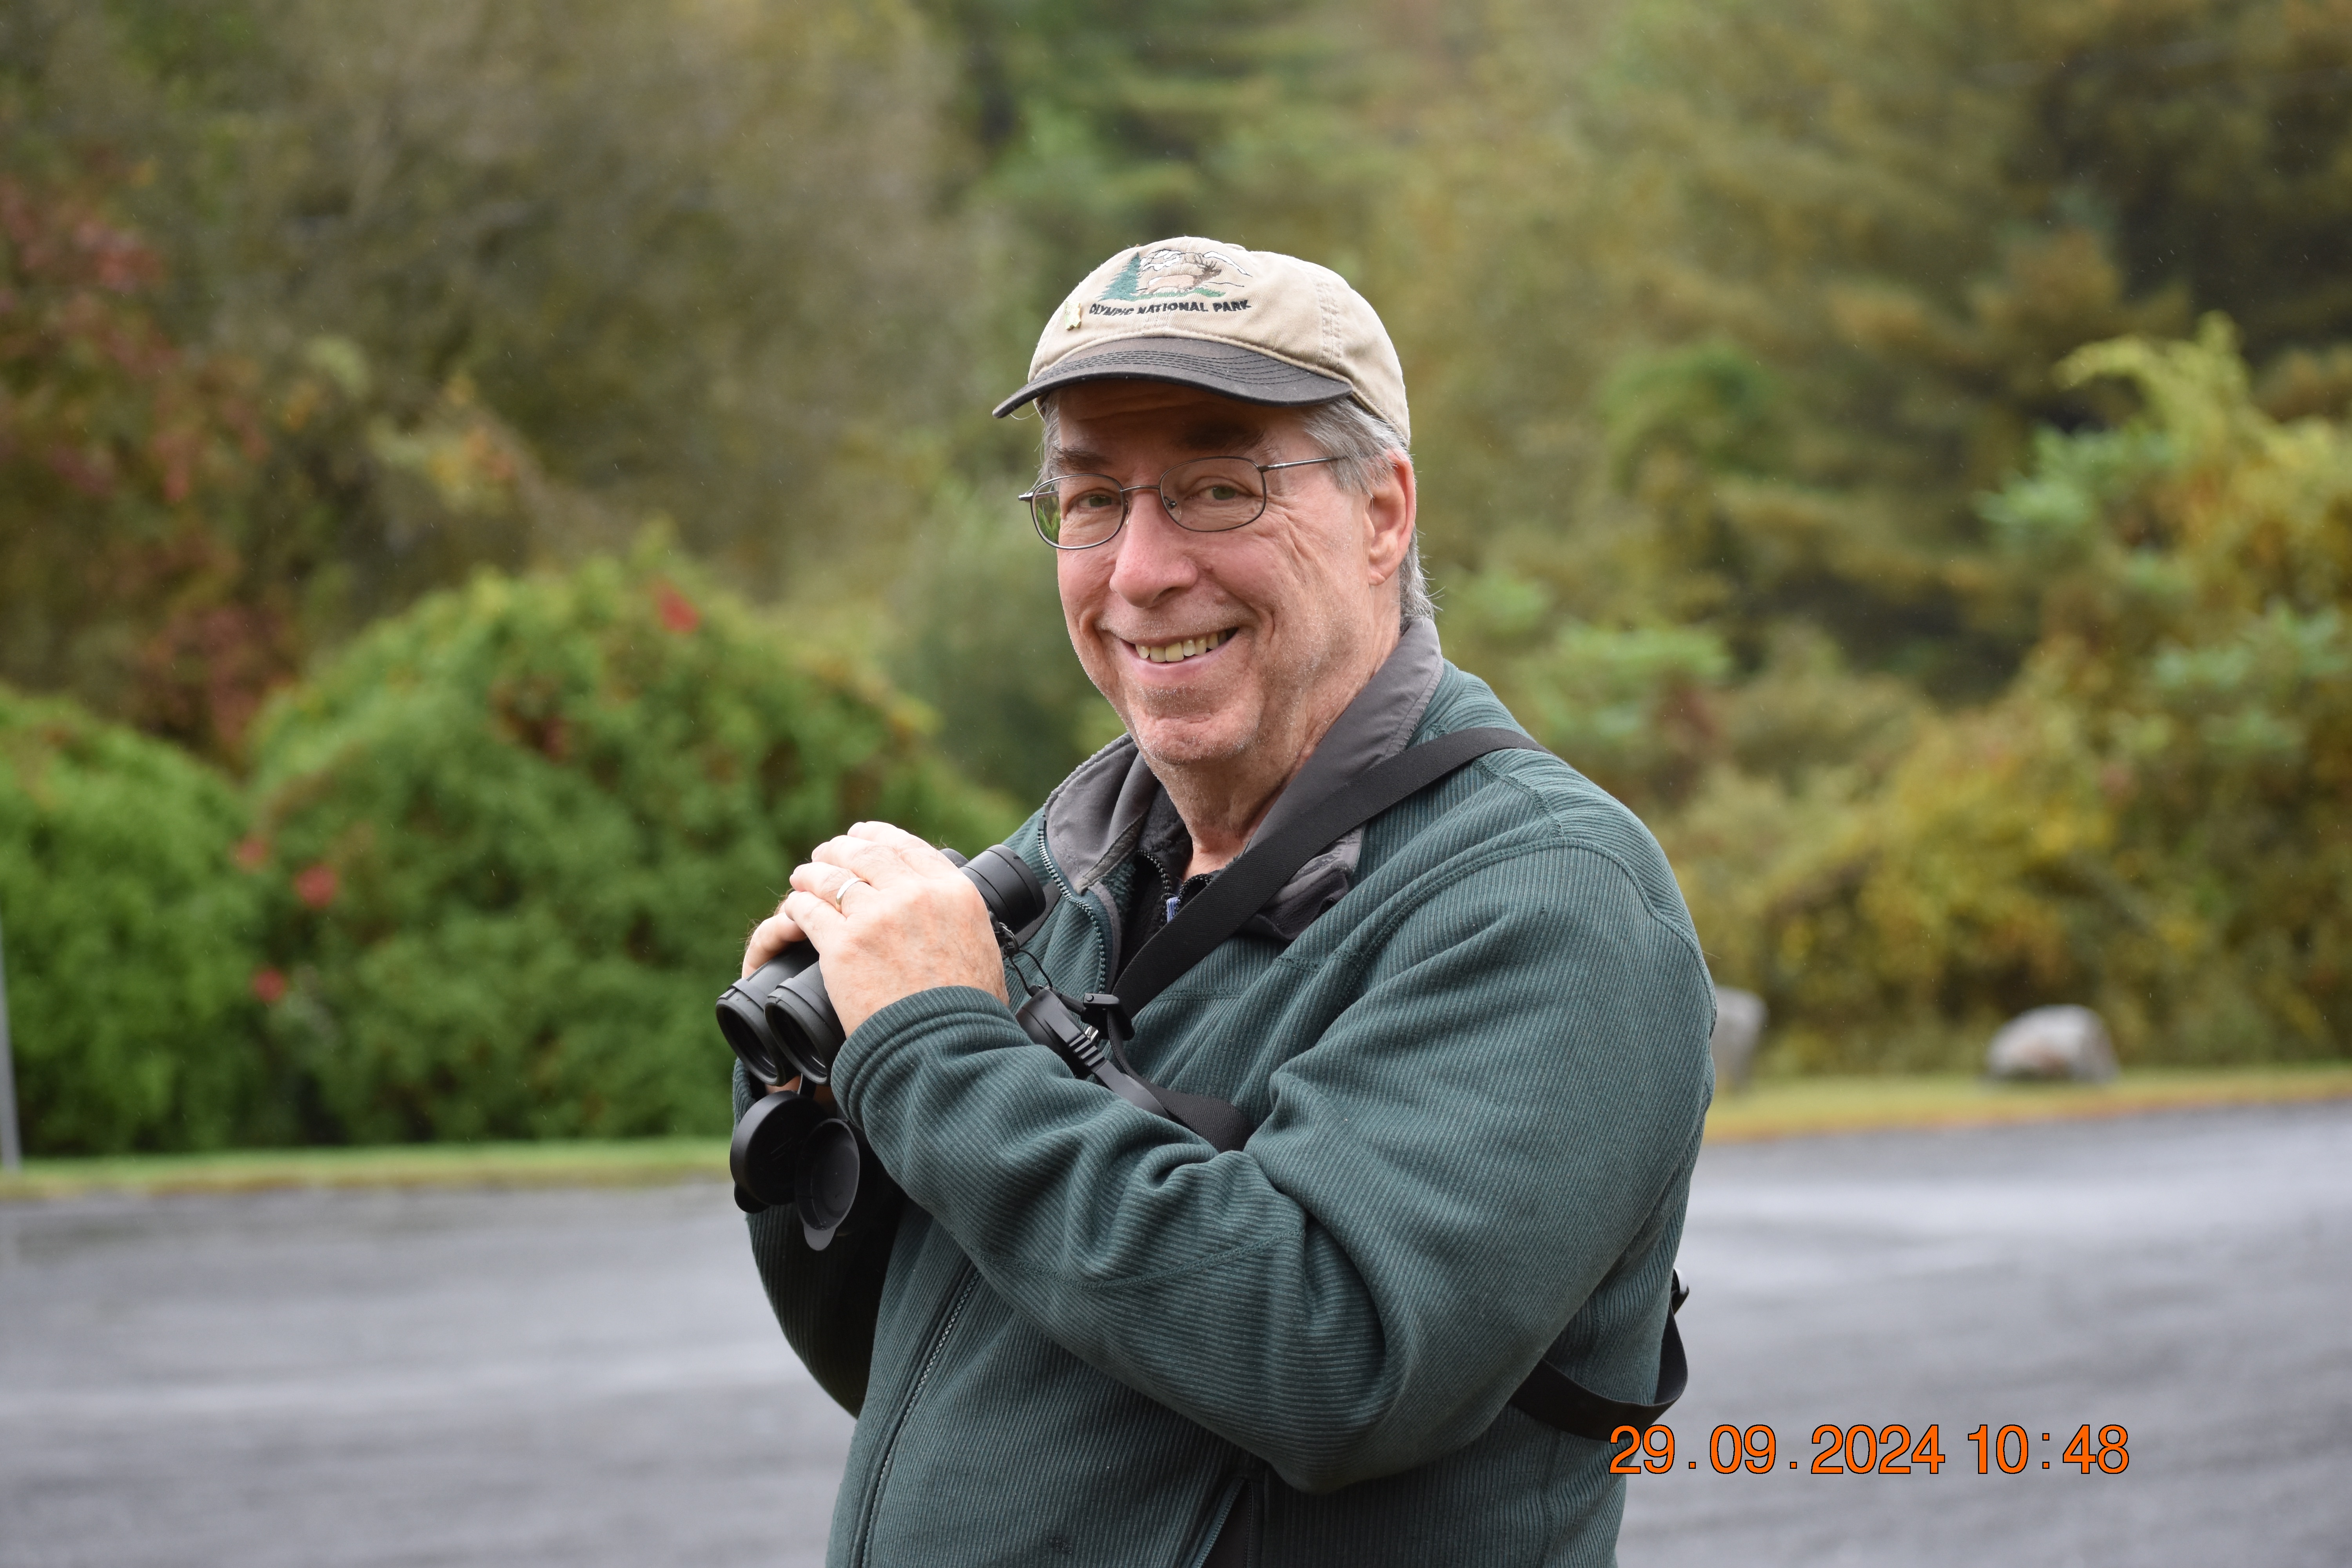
x,y
204,674
68,240
126,466
315,885
270,985
677,611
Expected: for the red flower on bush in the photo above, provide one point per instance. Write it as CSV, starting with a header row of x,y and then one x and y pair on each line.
x,y
268,985
315,885
251,852
677,611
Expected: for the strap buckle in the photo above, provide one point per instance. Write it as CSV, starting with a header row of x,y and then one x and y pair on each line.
x,y
1108,1016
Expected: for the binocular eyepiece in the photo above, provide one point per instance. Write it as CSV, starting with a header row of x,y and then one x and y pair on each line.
x,y
780,1023
790,1148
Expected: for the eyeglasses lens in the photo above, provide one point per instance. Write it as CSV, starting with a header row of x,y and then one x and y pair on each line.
x,y
1209,495
1078,510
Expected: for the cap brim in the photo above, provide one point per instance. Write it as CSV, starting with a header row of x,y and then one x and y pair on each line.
x,y
1225,368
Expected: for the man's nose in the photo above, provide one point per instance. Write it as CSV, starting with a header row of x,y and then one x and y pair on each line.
x,y
1155,556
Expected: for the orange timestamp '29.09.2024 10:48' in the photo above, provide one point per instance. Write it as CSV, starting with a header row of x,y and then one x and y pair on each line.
x,y
1866,1450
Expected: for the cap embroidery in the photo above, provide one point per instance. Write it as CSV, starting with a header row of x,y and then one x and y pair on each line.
x,y
1167,273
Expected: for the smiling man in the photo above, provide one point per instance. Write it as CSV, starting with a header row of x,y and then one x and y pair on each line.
x,y
1397,1259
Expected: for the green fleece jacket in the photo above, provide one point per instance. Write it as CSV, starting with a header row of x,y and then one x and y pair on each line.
x,y
1478,1080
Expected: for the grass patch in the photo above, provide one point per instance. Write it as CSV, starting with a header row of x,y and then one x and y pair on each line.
x,y
1773,1108
1800,1107
636,1162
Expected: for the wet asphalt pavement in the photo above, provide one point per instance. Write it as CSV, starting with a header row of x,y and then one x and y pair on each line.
x,y
591,1378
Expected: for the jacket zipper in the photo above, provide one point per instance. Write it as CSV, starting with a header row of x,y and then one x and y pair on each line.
x,y
1104,938
967,1280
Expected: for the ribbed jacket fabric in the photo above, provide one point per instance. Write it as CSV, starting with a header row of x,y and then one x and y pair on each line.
x,y
1479,1082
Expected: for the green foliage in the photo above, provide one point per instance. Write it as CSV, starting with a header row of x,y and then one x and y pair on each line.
x,y
180,527
1629,705
982,639
1096,126
2151,819
690,251
1755,469
1709,404
1906,215
517,834
132,940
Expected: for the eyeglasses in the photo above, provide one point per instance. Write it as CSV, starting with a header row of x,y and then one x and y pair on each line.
x,y
1204,494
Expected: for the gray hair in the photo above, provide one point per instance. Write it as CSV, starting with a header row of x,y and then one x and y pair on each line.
x,y
1360,440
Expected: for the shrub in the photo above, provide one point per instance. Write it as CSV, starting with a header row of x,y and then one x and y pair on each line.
x,y
2149,820
517,835
131,939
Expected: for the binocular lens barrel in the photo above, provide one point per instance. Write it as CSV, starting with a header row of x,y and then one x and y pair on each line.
x,y
780,1024
743,1020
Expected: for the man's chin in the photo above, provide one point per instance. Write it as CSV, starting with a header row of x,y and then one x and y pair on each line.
x,y
1189,739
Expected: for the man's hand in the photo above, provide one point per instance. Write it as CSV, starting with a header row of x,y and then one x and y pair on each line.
x,y
890,916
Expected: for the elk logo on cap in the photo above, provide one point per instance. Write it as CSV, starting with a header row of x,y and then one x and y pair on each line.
x,y
1167,273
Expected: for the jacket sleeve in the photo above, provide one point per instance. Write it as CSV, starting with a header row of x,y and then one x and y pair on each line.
x,y
827,1302
1445,1172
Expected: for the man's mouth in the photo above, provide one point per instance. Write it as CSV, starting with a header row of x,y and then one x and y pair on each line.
x,y
1177,652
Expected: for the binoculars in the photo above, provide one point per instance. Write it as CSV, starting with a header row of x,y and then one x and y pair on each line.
x,y
791,1147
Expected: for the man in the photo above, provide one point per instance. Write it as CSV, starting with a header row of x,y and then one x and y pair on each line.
x,y
1472,1034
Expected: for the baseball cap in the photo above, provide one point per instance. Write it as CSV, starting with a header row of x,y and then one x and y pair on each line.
x,y
1254,325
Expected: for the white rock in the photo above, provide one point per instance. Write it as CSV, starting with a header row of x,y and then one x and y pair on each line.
x,y
1738,1026
2053,1043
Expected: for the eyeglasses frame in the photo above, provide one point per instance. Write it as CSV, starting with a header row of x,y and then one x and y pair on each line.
x,y
1125,506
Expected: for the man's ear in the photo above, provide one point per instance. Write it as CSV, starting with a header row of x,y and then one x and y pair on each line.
x,y
1388,514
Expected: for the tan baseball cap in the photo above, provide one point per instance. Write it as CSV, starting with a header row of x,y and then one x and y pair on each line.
x,y
1251,324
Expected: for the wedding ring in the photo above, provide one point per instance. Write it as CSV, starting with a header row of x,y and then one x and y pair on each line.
x,y
842,892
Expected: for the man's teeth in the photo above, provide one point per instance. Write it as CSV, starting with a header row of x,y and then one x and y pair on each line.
x,y
1169,652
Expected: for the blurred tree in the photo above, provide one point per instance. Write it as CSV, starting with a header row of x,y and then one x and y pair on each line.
x,y
1906,213
118,448
982,640
2149,820
180,526
1096,125
691,251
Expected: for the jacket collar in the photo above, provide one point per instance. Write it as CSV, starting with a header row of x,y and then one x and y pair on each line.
x,y
1097,816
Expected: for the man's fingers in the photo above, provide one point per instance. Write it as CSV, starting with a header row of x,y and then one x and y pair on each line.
x,y
880,864
825,881
916,851
815,917
768,938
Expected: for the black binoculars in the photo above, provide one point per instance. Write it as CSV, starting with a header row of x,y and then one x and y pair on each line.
x,y
792,1147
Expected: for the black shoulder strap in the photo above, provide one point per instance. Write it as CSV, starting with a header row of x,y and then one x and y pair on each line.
x,y
1556,1399
1239,891
1242,889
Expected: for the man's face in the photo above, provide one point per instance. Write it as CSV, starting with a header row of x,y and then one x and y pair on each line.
x,y
1291,614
